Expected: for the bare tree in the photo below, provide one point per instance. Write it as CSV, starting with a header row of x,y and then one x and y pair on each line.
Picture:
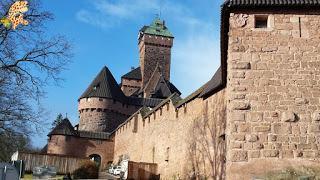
x,y
29,60
207,143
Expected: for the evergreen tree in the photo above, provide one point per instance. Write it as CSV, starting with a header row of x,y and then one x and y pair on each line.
x,y
57,121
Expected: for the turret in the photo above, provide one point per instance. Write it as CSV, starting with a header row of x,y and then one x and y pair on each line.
x,y
102,106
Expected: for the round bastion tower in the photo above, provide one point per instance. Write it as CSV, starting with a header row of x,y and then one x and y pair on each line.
x,y
101,106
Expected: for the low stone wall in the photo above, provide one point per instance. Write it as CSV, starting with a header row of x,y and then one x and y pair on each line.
x,y
81,147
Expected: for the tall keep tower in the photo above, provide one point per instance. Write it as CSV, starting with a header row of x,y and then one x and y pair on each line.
x,y
155,42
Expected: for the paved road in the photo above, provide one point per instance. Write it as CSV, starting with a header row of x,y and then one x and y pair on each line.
x,y
105,175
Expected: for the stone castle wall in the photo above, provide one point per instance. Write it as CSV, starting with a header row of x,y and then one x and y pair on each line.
x,y
171,138
273,94
81,147
101,114
153,50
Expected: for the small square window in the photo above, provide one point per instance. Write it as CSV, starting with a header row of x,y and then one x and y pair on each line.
x,y
261,22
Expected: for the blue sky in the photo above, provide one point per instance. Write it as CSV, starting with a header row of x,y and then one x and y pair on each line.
x,y
104,33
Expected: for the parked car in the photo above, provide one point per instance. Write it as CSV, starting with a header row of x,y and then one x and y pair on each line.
x,y
110,170
117,170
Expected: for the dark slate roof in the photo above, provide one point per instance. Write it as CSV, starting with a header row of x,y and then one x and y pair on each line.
x,y
238,3
164,89
63,128
174,98
94,135
148,102
133,74
192,96
158,86
214,84
173,88
44,149
104,86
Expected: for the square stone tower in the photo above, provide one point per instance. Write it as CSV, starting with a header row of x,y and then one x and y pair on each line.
x,y
155,42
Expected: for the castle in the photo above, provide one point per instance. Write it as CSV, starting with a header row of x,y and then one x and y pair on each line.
x,y
259,114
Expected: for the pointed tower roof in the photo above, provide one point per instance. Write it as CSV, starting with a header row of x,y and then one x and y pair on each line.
x,y
158,86
133,74
157,27
104,86
63,128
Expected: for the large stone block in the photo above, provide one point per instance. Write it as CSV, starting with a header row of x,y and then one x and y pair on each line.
x,y
314,128
238,155
265,128
254,154
270,153
316,116
256,116
241,65
281,128
252,138
238,116
288,116
241,105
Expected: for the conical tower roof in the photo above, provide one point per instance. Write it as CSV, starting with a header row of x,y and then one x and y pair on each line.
x,y
63,128
104,86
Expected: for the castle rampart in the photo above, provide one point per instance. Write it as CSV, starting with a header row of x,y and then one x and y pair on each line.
x,y
168,135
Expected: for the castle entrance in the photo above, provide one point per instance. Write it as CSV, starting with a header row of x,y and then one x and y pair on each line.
x,y
96,158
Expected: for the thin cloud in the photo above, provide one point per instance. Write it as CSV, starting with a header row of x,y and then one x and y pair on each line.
x,y
94,19
195,55
107,14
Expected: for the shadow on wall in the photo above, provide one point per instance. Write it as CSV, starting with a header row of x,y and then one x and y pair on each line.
x,y
207,144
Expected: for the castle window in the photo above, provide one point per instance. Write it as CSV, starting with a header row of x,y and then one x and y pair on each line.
x,y
167,154
261,21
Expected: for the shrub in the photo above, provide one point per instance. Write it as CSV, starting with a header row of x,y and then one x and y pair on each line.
x,y
87,170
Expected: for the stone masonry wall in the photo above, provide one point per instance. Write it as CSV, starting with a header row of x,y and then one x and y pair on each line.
x,y
129,86
81,147
171,138
153,50
273,91
100,114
